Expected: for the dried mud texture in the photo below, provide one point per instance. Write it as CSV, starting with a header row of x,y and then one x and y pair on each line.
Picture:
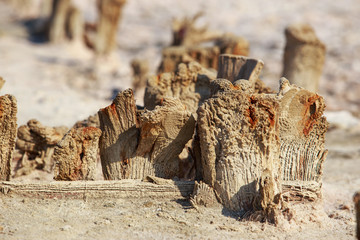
x,y
190,83
302,129
304,56
76,154
239,143
36,144
136,144
8,129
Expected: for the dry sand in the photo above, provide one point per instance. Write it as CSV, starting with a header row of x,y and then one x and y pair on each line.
x,y
60,84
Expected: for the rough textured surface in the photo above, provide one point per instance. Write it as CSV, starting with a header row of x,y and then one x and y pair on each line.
x,y
136,144
36,144
190,83
127,188
302,129
87,209
8,129
173,56
91,121
304,56
239,141
207,56
76,154
235,67
203,195
109,12
119,138
357,210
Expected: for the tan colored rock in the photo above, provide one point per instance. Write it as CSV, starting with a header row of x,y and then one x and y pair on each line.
x,y
304,56
302,129
239,142
75,24
357,210
2,82
187,34
8,129
140,73
190,83
76,154
207,56
57,32
232,44
235,67
91,121
36,143
135,144
109,12
173,56
203,195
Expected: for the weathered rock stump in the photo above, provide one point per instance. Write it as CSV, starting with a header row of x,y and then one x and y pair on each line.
x,y
75,156
257,149
2,82
302,129
304,57
173,56
36,144
109,12
235,67
240,146
8,129
357,210
207,56
57,31
65,22
140,73
135,144
190,83
186,33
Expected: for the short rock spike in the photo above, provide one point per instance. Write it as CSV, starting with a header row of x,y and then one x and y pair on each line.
x,y
135,144
8,130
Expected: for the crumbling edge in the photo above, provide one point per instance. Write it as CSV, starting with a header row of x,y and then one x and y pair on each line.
x,y
127,188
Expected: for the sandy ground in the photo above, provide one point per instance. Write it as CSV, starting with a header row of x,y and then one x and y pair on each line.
x,y
331,218
60,84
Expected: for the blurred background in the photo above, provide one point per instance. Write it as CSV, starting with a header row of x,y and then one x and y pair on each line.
x,y
62,76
